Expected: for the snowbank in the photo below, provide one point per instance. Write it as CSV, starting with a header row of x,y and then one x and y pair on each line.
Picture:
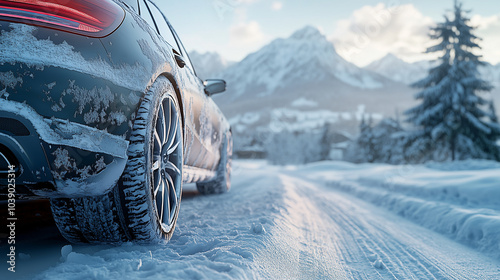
x,y
457,199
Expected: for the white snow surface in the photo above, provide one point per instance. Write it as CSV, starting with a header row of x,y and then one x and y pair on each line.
x,y
305,222
304,102
295,119
457,199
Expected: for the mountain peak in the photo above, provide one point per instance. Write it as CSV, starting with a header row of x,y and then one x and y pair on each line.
x,y
391,56
388,59
208,64
308,32
396,69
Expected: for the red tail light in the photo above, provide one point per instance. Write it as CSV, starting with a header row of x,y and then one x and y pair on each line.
x,y
93,18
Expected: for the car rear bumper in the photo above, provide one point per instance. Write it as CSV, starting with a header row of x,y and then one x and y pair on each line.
x,y
57,158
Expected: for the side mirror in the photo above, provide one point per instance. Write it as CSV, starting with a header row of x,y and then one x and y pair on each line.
x,y
214,86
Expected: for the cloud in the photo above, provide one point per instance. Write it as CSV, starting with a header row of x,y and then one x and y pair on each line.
x,y
223,8
374,31
276,6
489,30
246,33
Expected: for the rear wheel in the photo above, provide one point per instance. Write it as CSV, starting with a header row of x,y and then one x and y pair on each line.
x,y
152,182
145,205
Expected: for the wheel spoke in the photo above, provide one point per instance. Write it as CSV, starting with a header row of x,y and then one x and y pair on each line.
x,y
170,166
162,199
156,163
157,143
157,182
167,194
167,116
173,130
172,149
161,125
165,169
159,199
172,192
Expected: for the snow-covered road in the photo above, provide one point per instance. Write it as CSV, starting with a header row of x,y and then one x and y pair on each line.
x,y
278,223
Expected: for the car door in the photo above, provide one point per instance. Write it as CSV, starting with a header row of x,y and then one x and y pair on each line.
x,y
202,136
210,117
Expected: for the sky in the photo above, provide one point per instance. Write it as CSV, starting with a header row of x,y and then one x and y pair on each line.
x,y
361,30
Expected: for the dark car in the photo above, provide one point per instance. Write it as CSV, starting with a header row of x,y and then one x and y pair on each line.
x,y
102,112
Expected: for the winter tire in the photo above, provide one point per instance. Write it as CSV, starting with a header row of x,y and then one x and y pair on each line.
x,y
144,206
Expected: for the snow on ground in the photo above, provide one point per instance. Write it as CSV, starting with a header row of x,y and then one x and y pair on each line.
x,y
457,199
304,102
298,222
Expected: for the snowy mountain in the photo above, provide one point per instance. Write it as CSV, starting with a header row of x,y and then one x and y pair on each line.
x,y
491,73
300,82
208,65
392,67
396,69
305,57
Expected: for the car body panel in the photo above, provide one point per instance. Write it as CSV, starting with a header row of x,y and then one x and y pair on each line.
x,y
67,87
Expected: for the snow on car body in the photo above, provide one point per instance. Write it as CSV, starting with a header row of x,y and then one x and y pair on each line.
x,y
70,104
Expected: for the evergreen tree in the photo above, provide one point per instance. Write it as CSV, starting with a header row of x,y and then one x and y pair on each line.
x,y
365,140
493,115
493,112
450,115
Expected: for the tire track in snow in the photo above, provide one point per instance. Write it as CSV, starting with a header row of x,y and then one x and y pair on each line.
x,y
288,252
402,246
274,224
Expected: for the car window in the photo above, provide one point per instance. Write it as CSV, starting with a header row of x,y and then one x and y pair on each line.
x,y
146,15
131,3
184,52
163,27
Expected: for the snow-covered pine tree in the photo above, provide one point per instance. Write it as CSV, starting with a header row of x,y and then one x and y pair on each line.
x,y
365,140
450,115
493,112
494,116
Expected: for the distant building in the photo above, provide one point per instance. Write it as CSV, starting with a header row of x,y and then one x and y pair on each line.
x,y
339,141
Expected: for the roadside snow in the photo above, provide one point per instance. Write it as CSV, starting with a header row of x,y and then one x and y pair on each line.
x,y
286,223
304,102
457,199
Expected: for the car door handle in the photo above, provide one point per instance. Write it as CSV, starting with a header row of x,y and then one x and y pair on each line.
x,y
180,60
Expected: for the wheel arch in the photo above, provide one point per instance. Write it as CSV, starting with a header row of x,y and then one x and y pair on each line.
x,y
178,94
